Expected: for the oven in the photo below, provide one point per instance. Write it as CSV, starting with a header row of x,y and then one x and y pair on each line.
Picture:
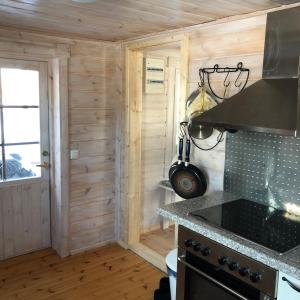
x,y
210,271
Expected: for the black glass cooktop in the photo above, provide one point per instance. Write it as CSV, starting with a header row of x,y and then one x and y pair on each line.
x,y
272,228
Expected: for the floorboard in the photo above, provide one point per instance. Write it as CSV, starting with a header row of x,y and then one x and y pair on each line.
x,y
109,273
159,240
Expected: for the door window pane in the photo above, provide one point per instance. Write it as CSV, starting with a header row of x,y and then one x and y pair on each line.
x,y
21,161
1,165
19,87
0,129
21,125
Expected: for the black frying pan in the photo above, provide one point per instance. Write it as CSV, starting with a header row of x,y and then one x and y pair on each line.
x,y
186,179
179,162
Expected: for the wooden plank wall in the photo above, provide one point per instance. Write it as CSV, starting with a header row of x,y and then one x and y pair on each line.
x,y
157,135
92,132
92,125
224,43
154,140
92,115
21,213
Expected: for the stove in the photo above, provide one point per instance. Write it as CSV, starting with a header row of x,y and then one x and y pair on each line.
x,y
209,270
272,228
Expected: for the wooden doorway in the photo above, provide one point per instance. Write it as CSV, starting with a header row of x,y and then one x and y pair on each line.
x,y
24,161
54,59
133,151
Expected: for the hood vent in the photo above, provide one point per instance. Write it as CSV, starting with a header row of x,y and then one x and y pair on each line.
x,y
271,104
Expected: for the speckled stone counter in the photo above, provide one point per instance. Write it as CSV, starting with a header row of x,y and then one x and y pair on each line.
x,y
288,263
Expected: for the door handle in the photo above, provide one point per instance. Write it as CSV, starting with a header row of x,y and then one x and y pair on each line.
x,y
45,165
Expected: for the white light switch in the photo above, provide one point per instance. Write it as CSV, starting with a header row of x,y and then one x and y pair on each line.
x,y
74,154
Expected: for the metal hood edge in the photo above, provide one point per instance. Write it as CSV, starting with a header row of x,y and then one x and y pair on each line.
x,y
270,105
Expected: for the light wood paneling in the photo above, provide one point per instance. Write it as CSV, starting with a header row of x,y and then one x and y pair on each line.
x,y
121,19
131,130
25,218
92,132
157,147
99,191
153,152
89,75
134,94
226,45
106,273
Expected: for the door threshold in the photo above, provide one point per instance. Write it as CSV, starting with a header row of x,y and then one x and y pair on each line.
x,y
150,256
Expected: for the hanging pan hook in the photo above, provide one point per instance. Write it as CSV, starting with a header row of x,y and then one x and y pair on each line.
x,y
241,84
237,83
202,79
226,82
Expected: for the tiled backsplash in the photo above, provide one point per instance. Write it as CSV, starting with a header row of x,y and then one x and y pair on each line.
x,y
263,167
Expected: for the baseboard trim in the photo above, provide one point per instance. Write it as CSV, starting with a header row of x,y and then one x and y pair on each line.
x,y
123,244
98,245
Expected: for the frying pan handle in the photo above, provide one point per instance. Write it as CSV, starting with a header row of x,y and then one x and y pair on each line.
x,y
180,151
187,152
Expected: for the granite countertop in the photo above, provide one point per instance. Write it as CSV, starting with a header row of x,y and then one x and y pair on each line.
x,y
288,263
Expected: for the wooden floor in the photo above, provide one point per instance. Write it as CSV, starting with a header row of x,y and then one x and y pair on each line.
x,y
161,241
103,274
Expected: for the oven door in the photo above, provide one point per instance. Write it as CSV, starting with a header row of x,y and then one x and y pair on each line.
x,y
199,280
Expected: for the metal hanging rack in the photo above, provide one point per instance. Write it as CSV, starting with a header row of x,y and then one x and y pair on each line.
x,y
206,73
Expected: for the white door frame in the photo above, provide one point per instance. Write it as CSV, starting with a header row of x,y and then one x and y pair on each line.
x,y
57,60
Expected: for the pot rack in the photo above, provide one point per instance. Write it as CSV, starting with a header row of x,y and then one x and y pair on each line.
x,y
205,73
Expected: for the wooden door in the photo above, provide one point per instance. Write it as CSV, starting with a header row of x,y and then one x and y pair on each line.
x,y
24,158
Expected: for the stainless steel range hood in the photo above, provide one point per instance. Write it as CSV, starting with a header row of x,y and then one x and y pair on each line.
x,y
272,104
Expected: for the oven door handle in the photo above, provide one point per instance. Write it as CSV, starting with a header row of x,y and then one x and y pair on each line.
x,y
181,259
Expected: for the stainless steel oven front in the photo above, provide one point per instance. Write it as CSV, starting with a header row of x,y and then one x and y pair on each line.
x,y
208,270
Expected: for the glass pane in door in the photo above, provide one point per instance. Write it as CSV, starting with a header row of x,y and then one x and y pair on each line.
x,y
21,125
19,87
1,165
21,161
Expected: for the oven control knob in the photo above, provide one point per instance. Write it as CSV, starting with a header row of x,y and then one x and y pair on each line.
x,y
244,271
255,277
223,260
188,243
206,251
233,266
197,247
